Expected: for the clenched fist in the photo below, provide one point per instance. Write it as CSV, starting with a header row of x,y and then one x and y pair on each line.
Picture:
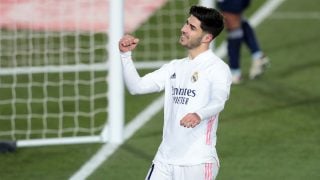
x,y
128,43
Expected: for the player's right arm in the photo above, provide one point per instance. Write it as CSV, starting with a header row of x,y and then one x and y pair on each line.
x,y
152,82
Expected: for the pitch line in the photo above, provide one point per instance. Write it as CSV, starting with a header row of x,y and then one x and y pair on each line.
x,y
295,15
108,149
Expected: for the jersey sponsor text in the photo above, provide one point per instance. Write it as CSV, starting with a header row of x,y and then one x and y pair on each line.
x,y
182,95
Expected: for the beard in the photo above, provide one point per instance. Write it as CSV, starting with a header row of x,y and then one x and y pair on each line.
x,y
190,43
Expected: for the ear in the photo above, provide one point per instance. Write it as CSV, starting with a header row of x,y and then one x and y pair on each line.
x,y
207,38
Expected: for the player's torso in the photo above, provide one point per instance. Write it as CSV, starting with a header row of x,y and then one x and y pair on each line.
x,y
187,90
188,87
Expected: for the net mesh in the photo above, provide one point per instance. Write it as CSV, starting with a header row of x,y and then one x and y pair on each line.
x,y
53,61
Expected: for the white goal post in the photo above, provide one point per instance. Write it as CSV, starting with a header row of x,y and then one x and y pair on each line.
x,y
60,72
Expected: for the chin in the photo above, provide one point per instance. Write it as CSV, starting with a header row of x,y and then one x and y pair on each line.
x,y
183,45
182,42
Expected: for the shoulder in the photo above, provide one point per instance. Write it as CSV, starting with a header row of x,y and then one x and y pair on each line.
x,y
217,68
179,60
176,62
215,62
172,65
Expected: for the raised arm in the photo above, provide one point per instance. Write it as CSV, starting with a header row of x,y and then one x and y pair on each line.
x,y
152,82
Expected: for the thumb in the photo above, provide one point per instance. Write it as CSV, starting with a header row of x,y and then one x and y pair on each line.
x,y
136,40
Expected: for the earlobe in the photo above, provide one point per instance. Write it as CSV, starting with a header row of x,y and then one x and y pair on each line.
x,y
208,38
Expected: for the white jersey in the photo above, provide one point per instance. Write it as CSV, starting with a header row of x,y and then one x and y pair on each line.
x,y
200,85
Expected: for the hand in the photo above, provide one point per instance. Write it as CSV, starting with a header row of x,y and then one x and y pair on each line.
x,y
190,120
128,43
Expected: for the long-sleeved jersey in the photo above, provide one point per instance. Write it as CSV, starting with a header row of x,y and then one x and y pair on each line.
x,y
200,85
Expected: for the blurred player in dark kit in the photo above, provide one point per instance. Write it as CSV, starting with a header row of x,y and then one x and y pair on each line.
x,y
239,30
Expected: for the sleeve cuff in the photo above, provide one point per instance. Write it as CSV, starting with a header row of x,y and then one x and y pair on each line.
x,y
125,54
200,115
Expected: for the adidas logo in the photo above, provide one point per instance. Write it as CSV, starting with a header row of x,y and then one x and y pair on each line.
x,y
173,76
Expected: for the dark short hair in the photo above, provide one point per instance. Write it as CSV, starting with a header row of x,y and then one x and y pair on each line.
x,y
212,20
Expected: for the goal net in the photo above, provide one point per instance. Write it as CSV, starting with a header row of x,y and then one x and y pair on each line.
x,y
54,63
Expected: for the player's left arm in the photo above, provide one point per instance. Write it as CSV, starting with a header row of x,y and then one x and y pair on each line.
x,y
216,105
220,90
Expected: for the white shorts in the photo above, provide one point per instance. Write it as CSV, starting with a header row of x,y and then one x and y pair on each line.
x,y
161,171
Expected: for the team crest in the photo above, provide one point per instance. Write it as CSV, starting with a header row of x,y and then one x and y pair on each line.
x,y
194,77
173,76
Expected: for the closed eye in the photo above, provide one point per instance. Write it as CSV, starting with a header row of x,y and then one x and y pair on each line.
x,y
192,27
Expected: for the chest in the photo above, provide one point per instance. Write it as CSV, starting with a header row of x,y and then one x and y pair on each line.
x,y
189,83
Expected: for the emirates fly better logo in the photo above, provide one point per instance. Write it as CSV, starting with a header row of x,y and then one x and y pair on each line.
x,y
182,95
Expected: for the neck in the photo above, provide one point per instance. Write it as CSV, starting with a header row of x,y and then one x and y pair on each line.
x,y
196,51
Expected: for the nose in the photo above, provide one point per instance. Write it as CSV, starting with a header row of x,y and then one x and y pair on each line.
x,y
183,29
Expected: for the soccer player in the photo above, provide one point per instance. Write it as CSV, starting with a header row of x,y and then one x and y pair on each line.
x,y
196,89
240,30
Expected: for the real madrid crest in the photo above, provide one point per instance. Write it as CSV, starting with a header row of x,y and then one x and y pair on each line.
x,y
194,77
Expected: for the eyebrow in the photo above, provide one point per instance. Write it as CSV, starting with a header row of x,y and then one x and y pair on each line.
x,y
192,26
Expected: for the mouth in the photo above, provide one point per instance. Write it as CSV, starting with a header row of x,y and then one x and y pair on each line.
x,y
183,37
